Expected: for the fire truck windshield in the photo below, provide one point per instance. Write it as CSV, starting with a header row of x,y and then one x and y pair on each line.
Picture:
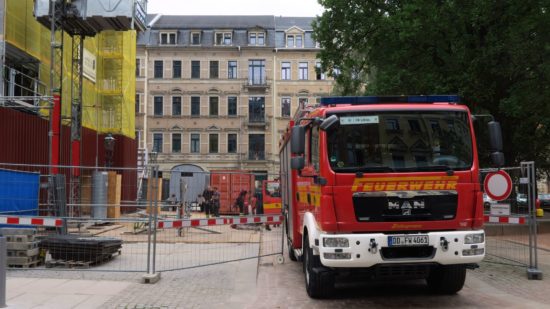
x,y
386,141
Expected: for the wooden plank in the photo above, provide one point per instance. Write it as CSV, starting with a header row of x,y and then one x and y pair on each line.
x,y
159,193
113,209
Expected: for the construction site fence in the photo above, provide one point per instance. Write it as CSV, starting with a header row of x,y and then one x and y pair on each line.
x,y
76,219
511,224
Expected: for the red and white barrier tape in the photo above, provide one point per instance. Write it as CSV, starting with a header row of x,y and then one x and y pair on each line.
x,y
218,221
499,219
31,221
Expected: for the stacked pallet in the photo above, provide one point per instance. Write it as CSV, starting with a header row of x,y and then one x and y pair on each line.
x,y
77,251
22,247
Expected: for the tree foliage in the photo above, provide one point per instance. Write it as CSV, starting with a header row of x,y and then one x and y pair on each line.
x,y
494,54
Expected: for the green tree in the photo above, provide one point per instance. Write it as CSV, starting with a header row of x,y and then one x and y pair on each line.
x,y
494,54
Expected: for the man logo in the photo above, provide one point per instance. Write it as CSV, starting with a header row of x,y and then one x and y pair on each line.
x,y
406,208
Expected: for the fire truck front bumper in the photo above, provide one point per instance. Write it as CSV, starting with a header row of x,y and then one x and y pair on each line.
x,y
366,250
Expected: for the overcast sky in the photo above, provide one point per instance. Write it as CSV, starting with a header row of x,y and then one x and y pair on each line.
x,y
304,8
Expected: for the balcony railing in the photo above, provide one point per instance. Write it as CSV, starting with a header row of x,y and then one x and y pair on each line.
x,y
256,155
256,83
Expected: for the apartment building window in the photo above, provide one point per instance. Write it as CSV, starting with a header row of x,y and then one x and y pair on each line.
x,y
231,143
223,38
195,69
302,71
195,38
195,143
319,74
157,142
167,38
285,107
213,104
294,40
195,106
256,146
256,72
138,102
285,70
256,38
138,67
290,40
158,68
176,69
302,102
232,69
256,109
213,143
232,106
214,69
176,142
176,106
299,41
157,106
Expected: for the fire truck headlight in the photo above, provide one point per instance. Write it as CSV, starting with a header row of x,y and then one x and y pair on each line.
x,y
474,238
335,242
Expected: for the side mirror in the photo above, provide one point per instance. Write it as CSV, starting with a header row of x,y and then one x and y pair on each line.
x,y
297,163
495,140
329,122
298,140
495,136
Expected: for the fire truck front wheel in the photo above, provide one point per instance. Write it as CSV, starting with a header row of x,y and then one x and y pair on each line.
x,y
319,279
447,279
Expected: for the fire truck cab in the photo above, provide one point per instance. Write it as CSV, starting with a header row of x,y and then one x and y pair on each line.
x,y
384,188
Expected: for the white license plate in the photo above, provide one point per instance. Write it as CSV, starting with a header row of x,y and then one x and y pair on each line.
x,y
408,240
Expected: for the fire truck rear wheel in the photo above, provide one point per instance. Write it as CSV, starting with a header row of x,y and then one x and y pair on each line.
x,y
319,281
447,279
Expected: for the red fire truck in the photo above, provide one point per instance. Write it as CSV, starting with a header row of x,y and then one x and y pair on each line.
x,y
384,188
271,195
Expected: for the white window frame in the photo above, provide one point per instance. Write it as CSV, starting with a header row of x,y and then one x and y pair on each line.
x,y
300,75
256,35
161,141
141,103
162,110
191,142
236,69
318,67
172,105
172,142
169,35
290,107
224,35
294,36
289,70
236,142
140,138
191,38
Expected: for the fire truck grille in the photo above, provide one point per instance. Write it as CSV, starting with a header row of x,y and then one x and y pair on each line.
x,y
395,209
422,252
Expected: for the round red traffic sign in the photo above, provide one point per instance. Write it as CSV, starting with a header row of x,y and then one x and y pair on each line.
x,y
498,185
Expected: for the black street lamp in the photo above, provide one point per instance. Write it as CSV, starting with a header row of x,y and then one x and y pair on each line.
x,y
109,149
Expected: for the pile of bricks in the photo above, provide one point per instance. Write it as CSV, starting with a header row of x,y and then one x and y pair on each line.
x,y
22,247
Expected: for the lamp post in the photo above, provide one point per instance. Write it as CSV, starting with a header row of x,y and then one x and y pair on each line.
x,y
109,149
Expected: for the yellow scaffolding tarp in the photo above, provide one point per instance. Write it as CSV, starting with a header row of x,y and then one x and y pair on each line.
x,y
108,103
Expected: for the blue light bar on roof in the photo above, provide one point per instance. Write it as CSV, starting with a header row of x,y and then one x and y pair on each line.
x,y
390,99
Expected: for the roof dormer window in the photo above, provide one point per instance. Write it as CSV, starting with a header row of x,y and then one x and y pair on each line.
x,y
195,38
168,38
256,38
294,40
223,38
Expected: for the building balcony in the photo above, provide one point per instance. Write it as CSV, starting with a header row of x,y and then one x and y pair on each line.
x,y
256,84
257,121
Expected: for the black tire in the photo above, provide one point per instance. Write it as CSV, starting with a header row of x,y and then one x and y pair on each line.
x,y
447,279
319,281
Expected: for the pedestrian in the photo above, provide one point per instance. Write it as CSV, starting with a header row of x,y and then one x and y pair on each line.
x,y
216,202
207,194
200,201
259,206
240,202
172,202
